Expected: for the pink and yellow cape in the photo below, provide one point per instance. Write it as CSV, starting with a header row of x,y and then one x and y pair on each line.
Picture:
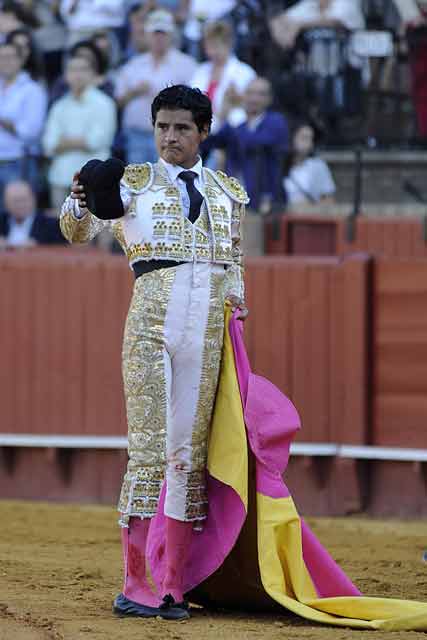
x,y
255,552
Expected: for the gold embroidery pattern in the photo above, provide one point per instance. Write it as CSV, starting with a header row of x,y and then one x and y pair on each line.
x,y
196,497
138,176
117,228
145,391
232,187
172,192
159,209
80,230
196,494
236,273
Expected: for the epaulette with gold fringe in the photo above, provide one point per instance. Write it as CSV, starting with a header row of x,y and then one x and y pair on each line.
x,y
138,177
231,186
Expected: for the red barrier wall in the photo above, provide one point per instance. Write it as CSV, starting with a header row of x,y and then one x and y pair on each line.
x,y
317,235
400,353
307,334
61,321
63,316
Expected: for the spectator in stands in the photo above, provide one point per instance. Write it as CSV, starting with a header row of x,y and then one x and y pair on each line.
x,y
414,20
137,41
141,79
198,14
21,224
307,178
254,149
32,62
223,77
22,114
83,17
307,14
88,50
80,126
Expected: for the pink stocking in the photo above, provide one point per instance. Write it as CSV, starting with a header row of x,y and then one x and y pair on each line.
x,y
134,541
178,538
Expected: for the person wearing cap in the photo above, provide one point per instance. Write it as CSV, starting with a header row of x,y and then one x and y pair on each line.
x,y
179,225
140,80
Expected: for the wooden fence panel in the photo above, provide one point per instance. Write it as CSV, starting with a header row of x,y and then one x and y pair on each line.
x,y
317,235
307,334
61,322
400,351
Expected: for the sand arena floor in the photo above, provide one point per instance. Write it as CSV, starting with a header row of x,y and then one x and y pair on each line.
x,y
60,567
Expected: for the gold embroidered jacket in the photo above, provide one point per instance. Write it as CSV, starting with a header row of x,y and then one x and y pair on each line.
x,y
155,227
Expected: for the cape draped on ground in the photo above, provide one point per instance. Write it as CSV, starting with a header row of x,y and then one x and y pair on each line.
x,y
255,551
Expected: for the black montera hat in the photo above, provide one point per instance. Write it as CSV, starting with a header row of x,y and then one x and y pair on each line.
x,y
101,183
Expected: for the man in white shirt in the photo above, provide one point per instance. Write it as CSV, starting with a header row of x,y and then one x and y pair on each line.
x,y
141,79
179,224
23,105
79,126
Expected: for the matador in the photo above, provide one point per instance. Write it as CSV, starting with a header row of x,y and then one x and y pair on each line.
x,y
179,225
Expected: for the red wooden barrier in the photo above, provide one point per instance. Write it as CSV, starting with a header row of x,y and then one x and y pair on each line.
x,y
400,353
317,235
307,334
61,325
61,321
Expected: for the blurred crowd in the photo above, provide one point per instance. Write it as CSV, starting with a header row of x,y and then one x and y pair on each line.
x,y
77,78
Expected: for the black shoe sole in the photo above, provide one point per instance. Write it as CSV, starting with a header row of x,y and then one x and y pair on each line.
x,y
126,614
175,613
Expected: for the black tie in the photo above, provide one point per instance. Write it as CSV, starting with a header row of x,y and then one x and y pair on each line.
x,y
195,196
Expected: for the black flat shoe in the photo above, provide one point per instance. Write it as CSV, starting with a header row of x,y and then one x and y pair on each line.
x,y
171,610
122,606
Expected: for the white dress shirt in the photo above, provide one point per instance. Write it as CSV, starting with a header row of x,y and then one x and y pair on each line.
x,y
91,117
173,173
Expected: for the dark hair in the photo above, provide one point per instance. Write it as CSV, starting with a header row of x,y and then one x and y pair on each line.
x,y
101,64
33,64
290,156
180,96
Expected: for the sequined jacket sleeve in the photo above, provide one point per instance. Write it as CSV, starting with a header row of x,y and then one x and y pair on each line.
x,y
77,226
236,285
